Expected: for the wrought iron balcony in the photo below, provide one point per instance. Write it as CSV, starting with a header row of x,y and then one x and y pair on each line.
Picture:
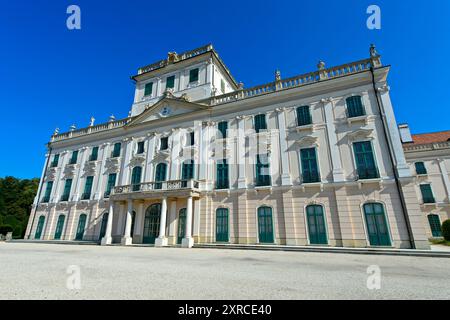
x,y
157,186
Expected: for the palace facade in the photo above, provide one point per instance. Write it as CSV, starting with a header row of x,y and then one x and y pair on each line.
x,y
314,159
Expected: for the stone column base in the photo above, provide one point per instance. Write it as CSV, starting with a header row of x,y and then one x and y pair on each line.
x,y
126,241
187,242
106,240
161,242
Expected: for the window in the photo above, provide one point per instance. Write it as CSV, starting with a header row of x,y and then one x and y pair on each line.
x,y
316,225
164,143
170,82
94,154
48,191
191,137
55,161
116,150
365,161
193,75
355,107
427,193
111,184
74,158
310,171
222,181
222,127
87,188
148,89
435,225
260,122
420,168
136,178
66,193
160,175
376,224
303,116
222,85
262,170
187,172
140,147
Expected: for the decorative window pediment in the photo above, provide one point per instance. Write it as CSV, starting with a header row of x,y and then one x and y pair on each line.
x,y
360,134
307,141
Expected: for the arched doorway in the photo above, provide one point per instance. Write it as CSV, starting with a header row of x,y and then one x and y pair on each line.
x,y
81,226
181,225
316,225
40,227
222,225
151,223
103,225
59,226
265,225
377,228
435,225
133,221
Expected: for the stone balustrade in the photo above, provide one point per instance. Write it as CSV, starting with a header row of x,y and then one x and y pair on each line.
x,y
156,186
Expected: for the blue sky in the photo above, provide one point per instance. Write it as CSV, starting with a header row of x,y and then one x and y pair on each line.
x,y
53,77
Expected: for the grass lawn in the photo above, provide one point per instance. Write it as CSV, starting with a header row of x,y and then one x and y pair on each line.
x,y
440,241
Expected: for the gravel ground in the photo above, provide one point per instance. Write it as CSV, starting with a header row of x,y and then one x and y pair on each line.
x,y
39,271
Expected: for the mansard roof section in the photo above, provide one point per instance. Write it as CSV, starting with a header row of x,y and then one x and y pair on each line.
x,y
166,107
173,58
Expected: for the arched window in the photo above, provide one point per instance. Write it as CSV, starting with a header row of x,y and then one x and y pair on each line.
x,y
160,175
377,227
59,226
181,225
151,223
222,225
265,225
136,178
187,172
81,227
40,227
435,225
316,224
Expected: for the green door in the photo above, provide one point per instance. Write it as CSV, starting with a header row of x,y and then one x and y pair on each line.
x,y
181,225
316,225
40,227
435,225
160,174
103,225
265,225
81,226
376,225
151,223
222,225
59,226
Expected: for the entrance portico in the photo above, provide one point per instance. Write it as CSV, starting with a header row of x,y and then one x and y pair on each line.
x,y
152,202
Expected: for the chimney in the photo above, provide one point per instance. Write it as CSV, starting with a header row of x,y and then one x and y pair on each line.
x,y
405,133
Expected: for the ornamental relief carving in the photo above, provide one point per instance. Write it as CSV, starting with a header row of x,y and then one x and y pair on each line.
x,y
360,134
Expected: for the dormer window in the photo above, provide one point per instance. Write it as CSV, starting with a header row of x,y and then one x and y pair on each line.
x,y
355,107
170,82
148,89
193,75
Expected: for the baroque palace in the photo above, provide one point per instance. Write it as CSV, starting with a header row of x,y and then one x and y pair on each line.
x,y
316,159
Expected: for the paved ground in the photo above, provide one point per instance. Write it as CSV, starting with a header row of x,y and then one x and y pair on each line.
x,y
38,271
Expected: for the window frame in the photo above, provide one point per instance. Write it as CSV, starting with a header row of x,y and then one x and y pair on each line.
x,y
355,162
363,108
194,79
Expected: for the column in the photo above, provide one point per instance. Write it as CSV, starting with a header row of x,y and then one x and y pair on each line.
x,y
393,133
126,239
338,173
242,181
285,176
188,241
444,176
161,241
107,239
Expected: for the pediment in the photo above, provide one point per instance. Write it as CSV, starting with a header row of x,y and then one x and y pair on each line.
x,y
165,108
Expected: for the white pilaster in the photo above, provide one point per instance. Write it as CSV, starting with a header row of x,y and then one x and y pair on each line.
x,y
102,177
188,241
77,195
445,178
126,239
286,179
148,168
124,168
175,154
172,218
63,160
161,241
107,239
242,181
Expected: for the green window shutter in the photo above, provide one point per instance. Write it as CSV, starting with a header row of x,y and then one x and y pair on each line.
x,y
170,82
303,116
48,191
141,147
193,75
111,183
191,138
435,225
260,122
420,168
316,224
222,225
222,181
55,160
427,193
164,143
148,89
136,178
116,151
262,170
187,172
160,175
66,193
87,188
355,107
223,127
365,161
265,225
310,171
94,154
74,158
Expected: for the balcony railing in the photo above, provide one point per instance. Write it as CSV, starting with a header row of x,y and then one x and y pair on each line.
x,y
157,186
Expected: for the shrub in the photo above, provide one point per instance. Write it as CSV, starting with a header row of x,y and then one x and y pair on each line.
x,y
4,229
446,229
